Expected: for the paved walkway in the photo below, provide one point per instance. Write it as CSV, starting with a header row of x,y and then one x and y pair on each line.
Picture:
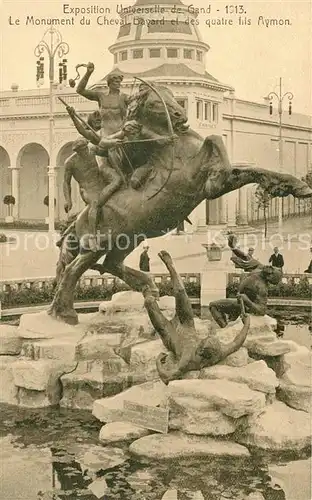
x,y
34,253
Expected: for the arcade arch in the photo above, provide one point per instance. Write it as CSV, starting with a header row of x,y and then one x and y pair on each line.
x,y
33,160
5,180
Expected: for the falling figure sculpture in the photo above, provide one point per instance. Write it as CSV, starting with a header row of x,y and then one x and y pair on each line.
x,y
187,350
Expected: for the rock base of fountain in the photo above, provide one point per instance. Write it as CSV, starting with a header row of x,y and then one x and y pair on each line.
x,y
259,396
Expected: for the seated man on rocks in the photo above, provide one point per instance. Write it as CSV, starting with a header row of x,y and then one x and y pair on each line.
x,y
253,291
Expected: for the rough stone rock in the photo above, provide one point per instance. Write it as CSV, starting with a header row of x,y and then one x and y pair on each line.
x,y
97,346
143,356
267,347
196,417
238,358
260,326
10,341
38,375
295,384
55,349
278,428
176,445
33,375
129,301
82,387
295,396
123,301
230,398
43,326
121,431
256,375
297,365
111,409
32,399
8,390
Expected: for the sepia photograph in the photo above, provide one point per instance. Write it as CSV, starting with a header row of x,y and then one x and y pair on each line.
x,y
155,250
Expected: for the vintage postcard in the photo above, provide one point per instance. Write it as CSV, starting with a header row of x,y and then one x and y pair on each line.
x,y
155,250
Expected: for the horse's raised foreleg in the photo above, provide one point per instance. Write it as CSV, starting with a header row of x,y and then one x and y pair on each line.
x,y
277,184
62,306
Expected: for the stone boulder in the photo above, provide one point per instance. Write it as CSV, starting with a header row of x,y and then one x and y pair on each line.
x,y
144,355
176,445
211,407
267,347
197,418
8,389
123,302
257,376
130,301
278,428
115,432
10,340
295,384
112,409
238,358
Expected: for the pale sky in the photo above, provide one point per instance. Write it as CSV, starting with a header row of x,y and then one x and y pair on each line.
x,y
249,58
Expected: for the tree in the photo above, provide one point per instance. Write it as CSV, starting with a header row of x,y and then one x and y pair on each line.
x,y
308,179
9,200
263,198
46,201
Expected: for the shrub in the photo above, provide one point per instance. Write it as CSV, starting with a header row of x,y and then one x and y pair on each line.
x,y
9,199
36,296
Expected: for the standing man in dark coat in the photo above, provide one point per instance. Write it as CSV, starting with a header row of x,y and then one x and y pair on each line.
x,y
144,260
276,259
309,268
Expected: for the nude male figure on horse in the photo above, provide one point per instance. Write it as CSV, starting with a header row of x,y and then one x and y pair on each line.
x,y
112,104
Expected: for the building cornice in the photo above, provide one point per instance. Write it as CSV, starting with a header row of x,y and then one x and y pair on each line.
x,y
248,119
182,42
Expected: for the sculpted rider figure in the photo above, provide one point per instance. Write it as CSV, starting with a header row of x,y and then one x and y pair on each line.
x,y
253,291
112,104
96,184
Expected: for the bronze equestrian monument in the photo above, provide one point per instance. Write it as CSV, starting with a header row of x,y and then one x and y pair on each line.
x,y
177,177
173,384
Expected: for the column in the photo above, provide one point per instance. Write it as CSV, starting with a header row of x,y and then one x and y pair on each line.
x,y
222,210
243,202
15,172
200,216
51,180
231,208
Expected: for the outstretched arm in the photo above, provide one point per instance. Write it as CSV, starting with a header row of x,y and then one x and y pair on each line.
x,y
146,133
184,309
67,186
92,95
161,324
82,129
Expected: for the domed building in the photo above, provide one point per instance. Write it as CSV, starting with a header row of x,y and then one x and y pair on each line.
x,y
160,43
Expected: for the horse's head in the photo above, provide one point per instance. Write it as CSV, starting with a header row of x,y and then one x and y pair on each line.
x,y
152,110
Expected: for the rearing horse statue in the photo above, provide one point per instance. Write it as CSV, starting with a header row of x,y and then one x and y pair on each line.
x,y
182,174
